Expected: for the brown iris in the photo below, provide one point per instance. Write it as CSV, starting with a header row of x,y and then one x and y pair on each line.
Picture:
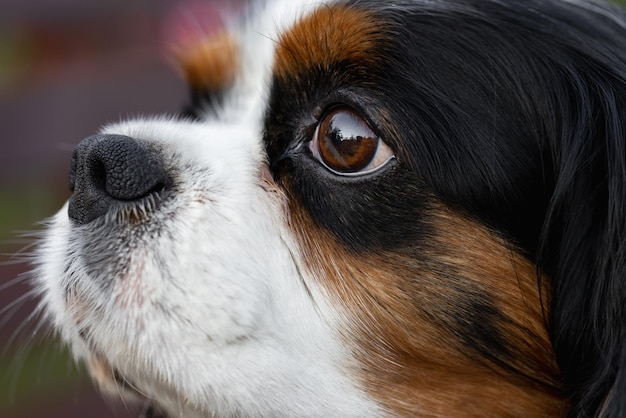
x,y
345,142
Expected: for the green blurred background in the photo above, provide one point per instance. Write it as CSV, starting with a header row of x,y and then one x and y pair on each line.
x,y
66,68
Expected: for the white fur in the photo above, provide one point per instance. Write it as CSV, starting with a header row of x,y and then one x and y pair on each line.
x,y
207,309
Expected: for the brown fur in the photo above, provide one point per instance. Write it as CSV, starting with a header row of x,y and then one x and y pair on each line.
x,y
210,64
330,35
412,364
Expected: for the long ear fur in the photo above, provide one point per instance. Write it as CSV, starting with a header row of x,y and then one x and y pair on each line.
x,y
584,237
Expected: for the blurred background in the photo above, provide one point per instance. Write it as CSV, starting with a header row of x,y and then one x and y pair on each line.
x,y
67,67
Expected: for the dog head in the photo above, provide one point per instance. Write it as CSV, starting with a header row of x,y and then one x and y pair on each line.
x,y
369,208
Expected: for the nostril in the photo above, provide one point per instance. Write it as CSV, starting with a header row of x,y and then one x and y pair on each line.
x,y
72,175
107,170
123,168
158,188
97,174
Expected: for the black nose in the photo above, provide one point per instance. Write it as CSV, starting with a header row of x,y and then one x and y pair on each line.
x,y
108,170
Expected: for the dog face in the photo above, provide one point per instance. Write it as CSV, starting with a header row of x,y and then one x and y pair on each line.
x,y
370,209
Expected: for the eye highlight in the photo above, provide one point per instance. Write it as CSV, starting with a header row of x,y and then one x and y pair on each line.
x,y
346,145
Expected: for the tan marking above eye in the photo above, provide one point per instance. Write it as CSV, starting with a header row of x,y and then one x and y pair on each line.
x,y
210,63
331,34
345,143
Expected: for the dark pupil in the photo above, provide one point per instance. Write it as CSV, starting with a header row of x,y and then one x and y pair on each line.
x,y
348,144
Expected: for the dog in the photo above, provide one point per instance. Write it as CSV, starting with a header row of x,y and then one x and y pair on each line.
x,y
369,208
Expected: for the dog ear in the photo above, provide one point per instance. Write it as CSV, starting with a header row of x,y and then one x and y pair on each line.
x,y
583,245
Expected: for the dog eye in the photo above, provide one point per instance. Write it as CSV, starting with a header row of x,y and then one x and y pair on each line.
x,y
345,144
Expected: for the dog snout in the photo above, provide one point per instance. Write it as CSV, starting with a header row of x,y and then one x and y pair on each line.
x,y
109,171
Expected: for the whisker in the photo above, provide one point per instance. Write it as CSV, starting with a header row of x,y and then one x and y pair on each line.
x,y
9,310
27,321
18,360
17,280
13,259
117,387
134,388
21,299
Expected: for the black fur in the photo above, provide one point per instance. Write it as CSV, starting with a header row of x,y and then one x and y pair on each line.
x,y
513,112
